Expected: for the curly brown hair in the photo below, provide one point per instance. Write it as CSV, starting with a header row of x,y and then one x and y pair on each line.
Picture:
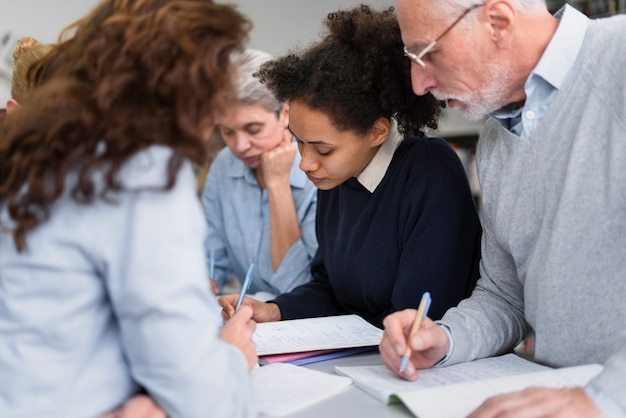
x,y
135,73
355,75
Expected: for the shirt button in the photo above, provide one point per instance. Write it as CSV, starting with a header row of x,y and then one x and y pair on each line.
x,y
530,115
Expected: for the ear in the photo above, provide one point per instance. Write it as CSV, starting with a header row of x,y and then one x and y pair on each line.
x,y
379,132
284,114
502,18
12,104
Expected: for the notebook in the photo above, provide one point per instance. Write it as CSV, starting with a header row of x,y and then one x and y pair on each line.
x,y
468,384
323,333
281,389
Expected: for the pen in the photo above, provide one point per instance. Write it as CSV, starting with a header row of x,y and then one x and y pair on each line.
x,y
212,264
421,313
246,285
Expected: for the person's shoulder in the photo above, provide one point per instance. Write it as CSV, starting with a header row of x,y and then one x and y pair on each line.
x,y
426,148
149,168
605,31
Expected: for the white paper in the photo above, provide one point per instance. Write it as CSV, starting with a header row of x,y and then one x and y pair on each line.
x,y
383,384
436,402
309,334
281,389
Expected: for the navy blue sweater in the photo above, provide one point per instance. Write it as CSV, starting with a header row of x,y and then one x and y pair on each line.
x,y
378,252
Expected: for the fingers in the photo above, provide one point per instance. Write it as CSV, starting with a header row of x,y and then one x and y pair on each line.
x,y
539,402
393,343
228,303
238,331
428,345
214,287
243,316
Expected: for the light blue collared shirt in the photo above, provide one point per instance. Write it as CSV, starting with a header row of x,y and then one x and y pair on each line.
x,y
112,296
547,76
238,218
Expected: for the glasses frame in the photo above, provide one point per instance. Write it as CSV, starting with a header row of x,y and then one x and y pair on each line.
x,y
417,58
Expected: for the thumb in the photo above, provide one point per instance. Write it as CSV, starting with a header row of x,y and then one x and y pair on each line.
x,y
243,314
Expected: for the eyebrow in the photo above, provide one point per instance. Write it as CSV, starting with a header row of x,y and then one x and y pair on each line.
x,y
246,126
308,142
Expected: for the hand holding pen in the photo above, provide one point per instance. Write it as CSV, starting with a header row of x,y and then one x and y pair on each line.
x,y
421,313
423,348
262,312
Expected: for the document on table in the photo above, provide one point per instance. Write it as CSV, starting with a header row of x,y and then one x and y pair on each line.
x,y
281,389
323,333
469,384
385,385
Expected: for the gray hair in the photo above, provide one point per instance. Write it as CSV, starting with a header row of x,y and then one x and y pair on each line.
x,y
248,87
453,6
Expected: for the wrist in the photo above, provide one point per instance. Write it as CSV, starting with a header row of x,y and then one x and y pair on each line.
x,y
275,314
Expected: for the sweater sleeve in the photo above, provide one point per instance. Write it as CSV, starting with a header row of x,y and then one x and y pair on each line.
x,y
312,299
492,321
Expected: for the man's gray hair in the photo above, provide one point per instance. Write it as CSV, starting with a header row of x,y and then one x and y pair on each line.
x,y
249,89
455,6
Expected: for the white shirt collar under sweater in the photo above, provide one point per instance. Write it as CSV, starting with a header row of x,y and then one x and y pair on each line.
x,y
373,174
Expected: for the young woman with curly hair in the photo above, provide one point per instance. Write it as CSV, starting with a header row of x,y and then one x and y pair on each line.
x,y
103,283
395,215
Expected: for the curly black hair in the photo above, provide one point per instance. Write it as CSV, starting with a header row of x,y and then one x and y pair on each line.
x,y
356,74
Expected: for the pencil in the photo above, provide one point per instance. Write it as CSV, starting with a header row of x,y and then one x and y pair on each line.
x,y
421,313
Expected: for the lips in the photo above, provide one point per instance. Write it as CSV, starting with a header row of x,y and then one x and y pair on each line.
x,y
314,180
251,160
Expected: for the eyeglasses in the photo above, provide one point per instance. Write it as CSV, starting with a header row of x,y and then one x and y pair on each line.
x,y
417,58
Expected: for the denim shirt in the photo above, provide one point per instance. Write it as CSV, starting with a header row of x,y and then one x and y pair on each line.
x,y
238,218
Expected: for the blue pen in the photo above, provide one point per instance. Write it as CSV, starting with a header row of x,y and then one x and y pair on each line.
x,y
246,285
212,264
421,313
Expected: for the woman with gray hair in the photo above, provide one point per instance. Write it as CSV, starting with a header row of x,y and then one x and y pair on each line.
x,y
259,206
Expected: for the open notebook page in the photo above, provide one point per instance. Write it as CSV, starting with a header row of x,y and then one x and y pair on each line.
x,y
281,389
383,384
436,402
329,332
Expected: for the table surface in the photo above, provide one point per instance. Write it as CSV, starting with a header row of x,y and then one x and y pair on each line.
x,y
353,402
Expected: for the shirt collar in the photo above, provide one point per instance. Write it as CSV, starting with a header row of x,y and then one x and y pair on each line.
x,y
555,62
563,49
373,174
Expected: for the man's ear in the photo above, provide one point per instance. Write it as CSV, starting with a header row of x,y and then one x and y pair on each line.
x,y
502,18
12,104
379,132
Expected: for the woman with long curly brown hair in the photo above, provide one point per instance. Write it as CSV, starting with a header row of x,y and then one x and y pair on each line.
x,y
395,215
103,284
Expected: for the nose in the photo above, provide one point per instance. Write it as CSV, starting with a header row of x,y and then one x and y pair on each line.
x,y
242,143
422,80
308,162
